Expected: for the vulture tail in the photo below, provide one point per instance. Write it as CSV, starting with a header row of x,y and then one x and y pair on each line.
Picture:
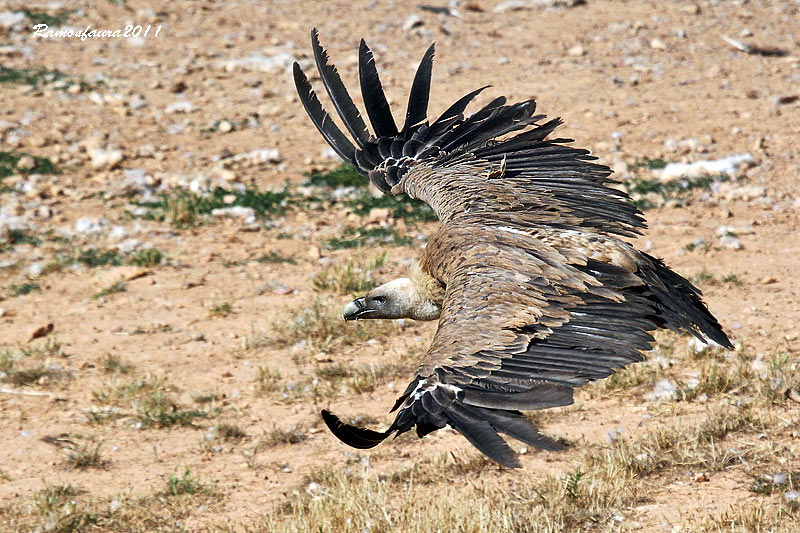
x,y
471,414
680,303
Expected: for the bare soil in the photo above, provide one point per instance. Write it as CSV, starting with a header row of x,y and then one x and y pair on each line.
x,y
631,81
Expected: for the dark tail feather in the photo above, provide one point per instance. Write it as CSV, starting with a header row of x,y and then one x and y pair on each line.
x,y
338,93
417,110
354,436
380,115
514,424
682,303
482,435
321,119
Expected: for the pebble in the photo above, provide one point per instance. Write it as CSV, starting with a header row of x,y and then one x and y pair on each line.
x,y
768,280
658,44
104,158
26,162
225,126
577,51
730,242
663,390
181,107
413,21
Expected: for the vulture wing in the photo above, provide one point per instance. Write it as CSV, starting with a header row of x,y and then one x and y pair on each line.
x,y
527,317
458,162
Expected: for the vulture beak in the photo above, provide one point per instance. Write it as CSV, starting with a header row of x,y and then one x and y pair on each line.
x,y
356,309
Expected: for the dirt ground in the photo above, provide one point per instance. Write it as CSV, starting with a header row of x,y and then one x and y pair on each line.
x,y
214,338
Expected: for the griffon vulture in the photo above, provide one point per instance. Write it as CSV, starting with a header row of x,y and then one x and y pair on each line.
x,y
535,290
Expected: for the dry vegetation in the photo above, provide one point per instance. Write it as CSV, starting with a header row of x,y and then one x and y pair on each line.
x,y
167,207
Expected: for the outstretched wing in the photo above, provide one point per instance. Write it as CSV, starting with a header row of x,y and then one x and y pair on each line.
x,y
526,318
498,160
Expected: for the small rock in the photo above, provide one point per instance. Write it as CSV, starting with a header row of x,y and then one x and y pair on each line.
x,y
41,331
314,253
379,214
181,107
26,162
663,390
768,280
179,87
577,51
786,99
658,44
225,126
105,158
412,22
701,477
510,5
730,242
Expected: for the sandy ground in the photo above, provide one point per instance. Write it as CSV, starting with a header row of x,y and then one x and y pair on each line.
x,y
631,81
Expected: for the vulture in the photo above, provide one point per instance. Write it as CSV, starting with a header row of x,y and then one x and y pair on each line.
x,y
534,286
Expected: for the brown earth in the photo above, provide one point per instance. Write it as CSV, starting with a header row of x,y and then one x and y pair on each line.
x,y
631,81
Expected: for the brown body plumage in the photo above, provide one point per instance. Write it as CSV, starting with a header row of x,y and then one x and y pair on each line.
x,y
534,289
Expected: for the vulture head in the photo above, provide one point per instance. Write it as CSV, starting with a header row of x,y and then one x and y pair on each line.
x,y
399,298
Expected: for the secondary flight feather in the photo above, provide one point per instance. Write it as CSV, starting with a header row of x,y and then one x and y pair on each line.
x,y
534,289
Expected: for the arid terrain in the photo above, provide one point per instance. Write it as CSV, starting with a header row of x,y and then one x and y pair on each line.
x,y
177,243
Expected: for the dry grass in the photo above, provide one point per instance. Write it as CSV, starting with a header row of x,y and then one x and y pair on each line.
x,y
319,326
600,492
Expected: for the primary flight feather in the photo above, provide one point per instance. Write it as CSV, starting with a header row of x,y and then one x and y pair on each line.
x,y
534,289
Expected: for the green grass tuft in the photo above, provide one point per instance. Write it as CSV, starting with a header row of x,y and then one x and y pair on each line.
x,y
9,160
24,288
669,190
342,176
146,258
402,207
184,208
360,237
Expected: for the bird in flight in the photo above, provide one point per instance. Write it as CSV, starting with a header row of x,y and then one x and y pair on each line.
x,y
534,287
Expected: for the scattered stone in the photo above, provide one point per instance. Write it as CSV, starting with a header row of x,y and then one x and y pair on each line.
x,y
378,215
701,477
413,21
26,162
510,5
274,64
730,242
786,99
314,253
768,280
663,390
9,19
658,44
261,155
181,107
107,159
87,225
225,126
726,165
577,51
41,331
246,214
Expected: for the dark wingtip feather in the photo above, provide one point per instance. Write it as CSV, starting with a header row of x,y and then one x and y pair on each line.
x,y
361,438
417,110
378,111
332,134
338,94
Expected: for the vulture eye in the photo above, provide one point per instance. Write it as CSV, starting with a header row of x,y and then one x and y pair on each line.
x,y
379,299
